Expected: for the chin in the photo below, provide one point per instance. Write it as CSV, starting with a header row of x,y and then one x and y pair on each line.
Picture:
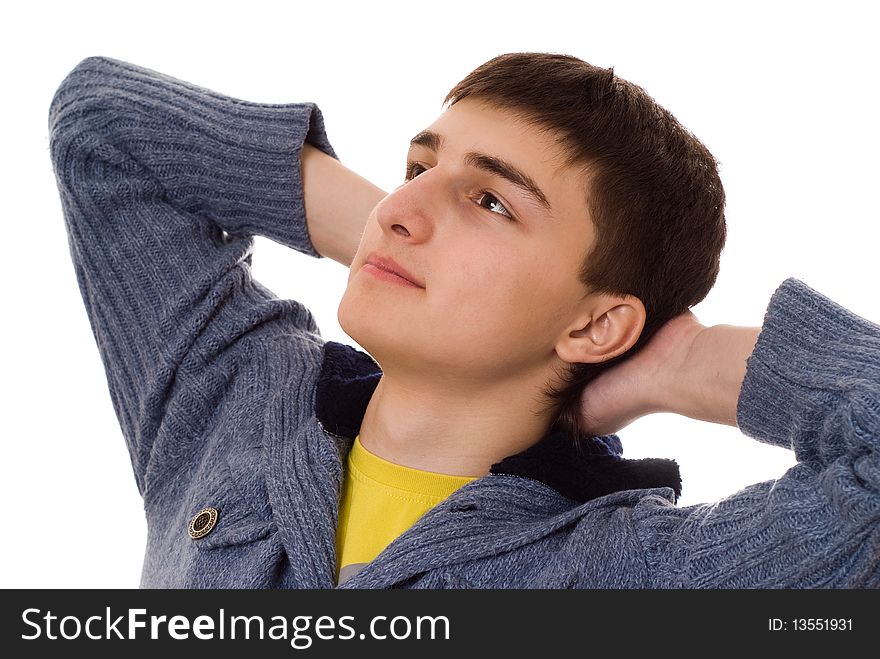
x,y
344,314
383,337
358,317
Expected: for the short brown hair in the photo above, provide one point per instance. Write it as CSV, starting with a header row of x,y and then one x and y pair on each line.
x,y
655,196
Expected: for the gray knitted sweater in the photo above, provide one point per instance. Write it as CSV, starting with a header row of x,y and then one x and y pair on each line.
x,y
228,397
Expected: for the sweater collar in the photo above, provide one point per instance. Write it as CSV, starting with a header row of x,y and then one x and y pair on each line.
x,y
579,470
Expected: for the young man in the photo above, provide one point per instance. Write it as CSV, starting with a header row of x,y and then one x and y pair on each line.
x,y
525,292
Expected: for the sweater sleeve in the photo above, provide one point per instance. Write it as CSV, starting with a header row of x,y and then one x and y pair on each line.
x,y
812,385
162,185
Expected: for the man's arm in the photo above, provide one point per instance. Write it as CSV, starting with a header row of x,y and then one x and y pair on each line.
x,y
338,202
811,384
163,185
708,387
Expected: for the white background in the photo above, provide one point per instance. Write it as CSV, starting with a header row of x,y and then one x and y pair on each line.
x,y
784,95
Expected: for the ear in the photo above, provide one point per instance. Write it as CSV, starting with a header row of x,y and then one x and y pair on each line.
x,y
609,328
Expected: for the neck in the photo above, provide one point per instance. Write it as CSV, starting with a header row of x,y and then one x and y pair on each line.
x,y
451,428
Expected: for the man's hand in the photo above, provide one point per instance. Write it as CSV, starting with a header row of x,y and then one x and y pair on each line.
x,y
634,387
686,368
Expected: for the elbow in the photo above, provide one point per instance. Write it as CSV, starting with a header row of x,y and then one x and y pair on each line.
x,y
78,108
85,91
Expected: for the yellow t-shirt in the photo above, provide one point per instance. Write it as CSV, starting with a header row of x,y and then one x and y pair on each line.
x,y
381,500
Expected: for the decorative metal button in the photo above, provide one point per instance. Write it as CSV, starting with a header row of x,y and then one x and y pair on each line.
x,y
202,523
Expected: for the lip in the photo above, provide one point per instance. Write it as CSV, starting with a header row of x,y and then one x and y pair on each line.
x,y
384,265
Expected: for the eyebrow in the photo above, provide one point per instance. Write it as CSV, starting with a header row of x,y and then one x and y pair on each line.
x,y
491,164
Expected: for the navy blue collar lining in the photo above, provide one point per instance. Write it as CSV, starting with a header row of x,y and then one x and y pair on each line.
x,y
579,470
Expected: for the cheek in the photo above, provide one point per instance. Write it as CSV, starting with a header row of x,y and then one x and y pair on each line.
x,y
493,295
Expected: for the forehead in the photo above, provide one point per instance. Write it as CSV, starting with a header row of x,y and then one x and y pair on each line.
x,y
476,125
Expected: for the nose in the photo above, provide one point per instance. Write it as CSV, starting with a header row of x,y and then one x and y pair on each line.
x,y
410,211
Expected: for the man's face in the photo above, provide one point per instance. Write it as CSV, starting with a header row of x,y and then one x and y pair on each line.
x,y
498,293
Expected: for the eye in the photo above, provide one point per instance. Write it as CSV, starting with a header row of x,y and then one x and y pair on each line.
x,y
493,201
413,169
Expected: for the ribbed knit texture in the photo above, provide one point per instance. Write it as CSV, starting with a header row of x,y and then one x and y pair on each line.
x,y
213,378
